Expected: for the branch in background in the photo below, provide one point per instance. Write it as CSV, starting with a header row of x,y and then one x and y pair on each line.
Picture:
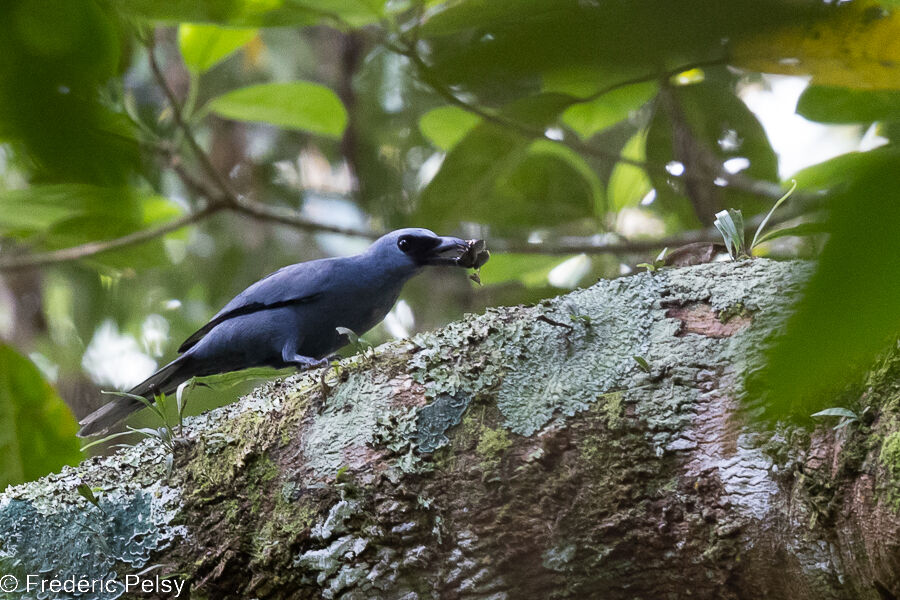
x,y
757,187
601,244
29,261
205,163
589,245
288,216
704,195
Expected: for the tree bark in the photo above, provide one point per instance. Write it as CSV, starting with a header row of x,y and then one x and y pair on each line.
x,y
591,446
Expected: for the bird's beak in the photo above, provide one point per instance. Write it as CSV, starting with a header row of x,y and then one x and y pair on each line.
x,y
458,253
447,253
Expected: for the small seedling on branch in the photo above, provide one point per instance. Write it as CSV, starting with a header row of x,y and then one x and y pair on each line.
x,y
730,224
165,435
847,416
643,365
658,262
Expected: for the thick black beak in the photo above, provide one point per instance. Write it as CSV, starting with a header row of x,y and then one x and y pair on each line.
x,y
454,252
447,253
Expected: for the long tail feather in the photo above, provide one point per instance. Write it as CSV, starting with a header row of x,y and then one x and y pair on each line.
x,y
164,381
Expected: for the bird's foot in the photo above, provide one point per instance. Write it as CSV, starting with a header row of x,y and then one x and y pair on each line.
x,y
304,363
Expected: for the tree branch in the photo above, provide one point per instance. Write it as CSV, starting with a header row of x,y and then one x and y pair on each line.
x,y
182,124
30,261
287,216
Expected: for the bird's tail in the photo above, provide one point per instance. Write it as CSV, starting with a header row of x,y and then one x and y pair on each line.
x,y
164,381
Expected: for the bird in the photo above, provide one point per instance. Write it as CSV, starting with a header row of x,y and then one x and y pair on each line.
x,y
290,317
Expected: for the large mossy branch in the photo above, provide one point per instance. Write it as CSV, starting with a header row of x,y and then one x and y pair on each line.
x,y
523,453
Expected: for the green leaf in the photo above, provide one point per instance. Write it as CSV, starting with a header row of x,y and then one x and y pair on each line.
x,y
107,213
504,46
37,208
845,105
446,126
730,224
628,184
797,230
850,309
769,214
836,412
224,381
85,491
298,105
355,13
351,335
37,431
579,165
257,13
829,174
643,365
590,118
203,46
501,176
56,56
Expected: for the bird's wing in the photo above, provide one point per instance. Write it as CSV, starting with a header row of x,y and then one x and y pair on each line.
x,y
295,284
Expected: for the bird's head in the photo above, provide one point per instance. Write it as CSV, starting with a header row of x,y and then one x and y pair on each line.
x,y
413,248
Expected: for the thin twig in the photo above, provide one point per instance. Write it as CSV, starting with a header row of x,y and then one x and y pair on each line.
x,y
30,261
590,245
182,124
288,216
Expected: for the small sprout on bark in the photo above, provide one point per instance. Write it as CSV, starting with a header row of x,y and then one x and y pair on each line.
x,y
730,224
847,416
658,262
359,344
756,237
643,365
85,491
166,435
583,319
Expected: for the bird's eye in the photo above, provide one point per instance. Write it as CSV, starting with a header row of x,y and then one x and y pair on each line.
x,y
404,244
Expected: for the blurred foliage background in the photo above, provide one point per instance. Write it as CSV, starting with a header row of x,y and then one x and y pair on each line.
x,y
157,157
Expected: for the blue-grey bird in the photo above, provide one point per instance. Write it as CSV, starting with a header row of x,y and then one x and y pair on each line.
x,y
290,317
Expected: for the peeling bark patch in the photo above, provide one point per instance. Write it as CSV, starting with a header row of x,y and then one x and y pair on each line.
x,y
700,318
720,445
436,418
408,393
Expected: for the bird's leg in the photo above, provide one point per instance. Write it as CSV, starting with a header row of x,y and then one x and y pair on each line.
x,y
303,363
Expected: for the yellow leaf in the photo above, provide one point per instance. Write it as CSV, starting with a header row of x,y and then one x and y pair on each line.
x,y
857,46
